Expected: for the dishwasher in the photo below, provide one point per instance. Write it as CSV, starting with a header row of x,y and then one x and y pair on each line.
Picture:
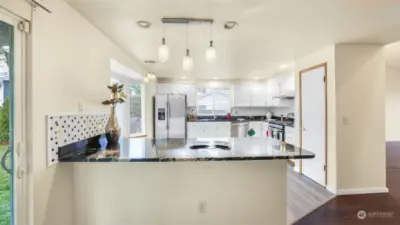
x,y
239,129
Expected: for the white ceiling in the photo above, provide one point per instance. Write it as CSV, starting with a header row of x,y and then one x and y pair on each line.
x,y
270,32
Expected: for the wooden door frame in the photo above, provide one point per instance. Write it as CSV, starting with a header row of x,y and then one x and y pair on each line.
x,y
325,66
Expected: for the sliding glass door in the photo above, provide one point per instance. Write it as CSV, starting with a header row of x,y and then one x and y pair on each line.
x,y
13,180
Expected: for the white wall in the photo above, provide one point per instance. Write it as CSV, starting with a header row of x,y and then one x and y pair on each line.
x,y
392,104
324,55
360,96
70,64
169,193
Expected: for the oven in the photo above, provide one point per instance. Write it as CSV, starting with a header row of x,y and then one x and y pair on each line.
x,y
276,131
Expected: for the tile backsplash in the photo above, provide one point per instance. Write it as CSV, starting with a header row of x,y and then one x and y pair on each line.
x,y
249,111
66,129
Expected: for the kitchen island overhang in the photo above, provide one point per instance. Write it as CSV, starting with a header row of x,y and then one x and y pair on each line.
x,y
180,185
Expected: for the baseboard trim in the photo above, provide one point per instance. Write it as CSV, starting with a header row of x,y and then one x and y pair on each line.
x,y
375,190
331,190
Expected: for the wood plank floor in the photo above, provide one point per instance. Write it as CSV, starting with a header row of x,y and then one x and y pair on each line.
x,y
303,196
380,208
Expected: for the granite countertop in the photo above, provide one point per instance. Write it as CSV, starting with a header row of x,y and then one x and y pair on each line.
x,y
209,120
167,150
224,119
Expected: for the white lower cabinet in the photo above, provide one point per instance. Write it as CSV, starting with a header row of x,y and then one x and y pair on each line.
x,y
257,126
290,135
208,129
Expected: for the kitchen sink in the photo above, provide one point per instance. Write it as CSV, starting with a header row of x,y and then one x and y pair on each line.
x,y
211,146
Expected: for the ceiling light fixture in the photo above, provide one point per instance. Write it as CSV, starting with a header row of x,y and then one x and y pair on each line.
x,y
211,53
152,76
163,49
143,24
187,63
283,66
215,78
230,25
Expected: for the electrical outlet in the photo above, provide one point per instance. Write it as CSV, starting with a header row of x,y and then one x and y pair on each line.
x,y
202,207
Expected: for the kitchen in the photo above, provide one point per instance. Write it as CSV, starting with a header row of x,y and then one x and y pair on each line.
x,y
112,192
256,108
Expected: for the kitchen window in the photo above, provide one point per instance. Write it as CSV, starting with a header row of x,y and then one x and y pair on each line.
x,y
130,114
136,107
212,101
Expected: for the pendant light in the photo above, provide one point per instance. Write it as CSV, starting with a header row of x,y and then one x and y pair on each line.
x,y
163,50
187,63
211,53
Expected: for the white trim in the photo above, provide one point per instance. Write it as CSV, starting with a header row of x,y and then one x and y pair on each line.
x,y
331,190
19,8
373,190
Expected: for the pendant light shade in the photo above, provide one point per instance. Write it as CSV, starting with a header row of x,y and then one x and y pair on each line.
x,y
163,52
211,53
187,63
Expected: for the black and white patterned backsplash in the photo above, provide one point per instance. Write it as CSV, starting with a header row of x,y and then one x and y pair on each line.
x,y
66,129
249,111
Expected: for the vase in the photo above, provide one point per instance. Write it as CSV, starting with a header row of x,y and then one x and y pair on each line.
x,y
113,131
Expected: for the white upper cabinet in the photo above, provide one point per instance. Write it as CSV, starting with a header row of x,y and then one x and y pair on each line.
x,y
163,88
250,95
277,86
258,95
188,90
242,95
191,95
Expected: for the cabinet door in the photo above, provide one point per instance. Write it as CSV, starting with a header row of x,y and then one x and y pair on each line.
x,y
290,135
222,129
190,92
208,130
192,130
163,88
257,127
272,91
258,95
178,89
242,95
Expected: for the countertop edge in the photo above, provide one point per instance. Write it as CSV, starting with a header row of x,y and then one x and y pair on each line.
x,y
255,158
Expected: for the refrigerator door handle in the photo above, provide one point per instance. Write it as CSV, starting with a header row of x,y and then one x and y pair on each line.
x,y
167,115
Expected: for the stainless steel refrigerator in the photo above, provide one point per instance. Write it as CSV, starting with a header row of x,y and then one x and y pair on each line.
x,y
170,116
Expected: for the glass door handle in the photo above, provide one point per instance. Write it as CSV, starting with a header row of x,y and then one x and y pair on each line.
x,y
3,161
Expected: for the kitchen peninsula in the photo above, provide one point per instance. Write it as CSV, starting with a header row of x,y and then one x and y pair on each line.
x,y
225,181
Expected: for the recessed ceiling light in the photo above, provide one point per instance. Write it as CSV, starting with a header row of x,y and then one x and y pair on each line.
x,y
283,66
183,77
150,61
230,25
256,78
215,78
143,24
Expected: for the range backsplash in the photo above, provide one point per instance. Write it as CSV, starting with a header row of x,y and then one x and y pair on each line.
x,y
248,111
